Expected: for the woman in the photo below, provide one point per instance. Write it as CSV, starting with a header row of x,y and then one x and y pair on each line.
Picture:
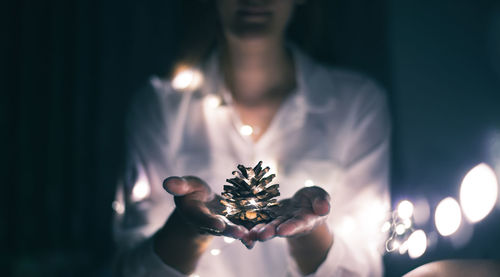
x,y
313,124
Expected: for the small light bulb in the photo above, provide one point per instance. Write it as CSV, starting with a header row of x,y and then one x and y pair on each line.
x,y
386,226
246,130
118,207
400,229
417,244
405,209
212,101
215,252
478,192
448,216
187,79
308,183
228,240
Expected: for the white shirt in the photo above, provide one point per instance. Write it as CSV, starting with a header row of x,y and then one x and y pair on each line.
x,y
333,132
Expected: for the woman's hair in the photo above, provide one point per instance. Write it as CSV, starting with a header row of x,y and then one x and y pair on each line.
x,y
199,29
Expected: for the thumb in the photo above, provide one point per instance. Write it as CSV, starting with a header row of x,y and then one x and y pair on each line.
x,y
176,186
321,206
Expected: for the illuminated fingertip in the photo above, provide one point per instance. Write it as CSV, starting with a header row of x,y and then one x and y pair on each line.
x,y
174,185
321,206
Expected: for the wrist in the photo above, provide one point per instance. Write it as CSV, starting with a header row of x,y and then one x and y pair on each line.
x,y
180,244
311,249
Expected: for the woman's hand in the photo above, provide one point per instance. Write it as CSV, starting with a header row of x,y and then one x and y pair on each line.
x,y
185,236
301,219
201,208
297,216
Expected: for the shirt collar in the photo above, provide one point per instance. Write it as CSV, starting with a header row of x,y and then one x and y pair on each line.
x,y
311,95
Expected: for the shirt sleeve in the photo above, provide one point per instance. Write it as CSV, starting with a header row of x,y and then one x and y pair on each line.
x,y
360,203
141,205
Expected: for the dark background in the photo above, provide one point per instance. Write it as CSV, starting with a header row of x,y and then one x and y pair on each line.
x,y
70,67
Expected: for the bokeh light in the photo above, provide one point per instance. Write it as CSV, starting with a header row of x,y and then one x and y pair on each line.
x,y
417,244
141,188
448,216
215,252
187,79
246,130
212,101
405,209
478,192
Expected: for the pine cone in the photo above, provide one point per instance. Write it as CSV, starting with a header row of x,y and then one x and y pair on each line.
x,y
250,200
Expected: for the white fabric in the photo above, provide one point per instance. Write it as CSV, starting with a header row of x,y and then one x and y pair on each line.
x,y
333,130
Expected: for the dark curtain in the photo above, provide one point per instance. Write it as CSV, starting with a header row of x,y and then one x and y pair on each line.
x,y
70,68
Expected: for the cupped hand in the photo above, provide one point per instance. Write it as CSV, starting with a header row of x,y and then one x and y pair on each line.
x,y
201,208
297,216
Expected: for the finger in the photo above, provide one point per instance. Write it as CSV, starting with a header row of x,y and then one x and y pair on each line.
x,y
321,206
268,231
176,186
300,224
233,230
255,230
179,186
318,199
249,244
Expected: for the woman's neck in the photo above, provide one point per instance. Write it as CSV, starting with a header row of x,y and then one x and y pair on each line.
x,y
257,71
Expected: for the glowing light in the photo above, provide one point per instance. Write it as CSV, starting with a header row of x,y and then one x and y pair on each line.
x,y
308,183
400,229
246,130
252,202
448,216
478,192
417,244
403,248
228,240
118,207
141,187
187,79
194,275
395,245
405,209
386,226
215,252
212,101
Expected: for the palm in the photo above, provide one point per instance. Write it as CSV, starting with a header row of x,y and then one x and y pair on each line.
x,y
296,216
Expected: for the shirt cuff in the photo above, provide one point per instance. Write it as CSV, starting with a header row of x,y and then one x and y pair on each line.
x,y
145,262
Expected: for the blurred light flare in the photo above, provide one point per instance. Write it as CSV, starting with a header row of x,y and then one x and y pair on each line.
x,y
308,183
141,188
386,226
448,216
400,229
228,240
118,207
187,79
478,192
212,101
417,244
405,209
246,130
215,252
